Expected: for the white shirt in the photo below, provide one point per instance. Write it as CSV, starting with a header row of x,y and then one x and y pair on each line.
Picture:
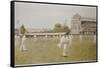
x,y
64,39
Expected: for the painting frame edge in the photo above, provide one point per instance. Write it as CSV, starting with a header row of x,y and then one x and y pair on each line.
x,y
12,39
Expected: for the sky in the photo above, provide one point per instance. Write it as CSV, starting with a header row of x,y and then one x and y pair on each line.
x,y
45,16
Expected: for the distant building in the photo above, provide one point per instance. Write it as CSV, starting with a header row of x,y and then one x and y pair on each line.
x,y
82,25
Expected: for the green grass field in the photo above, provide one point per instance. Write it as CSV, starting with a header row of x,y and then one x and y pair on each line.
x,y
47,51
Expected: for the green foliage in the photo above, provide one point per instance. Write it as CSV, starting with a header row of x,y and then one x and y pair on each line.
x,y
59,28
58,25
65,28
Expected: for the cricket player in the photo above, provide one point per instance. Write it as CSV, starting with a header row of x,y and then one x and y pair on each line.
x,y
64,44
23,46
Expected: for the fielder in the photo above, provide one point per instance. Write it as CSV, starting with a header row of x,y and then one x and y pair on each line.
x,y
23,46
64,44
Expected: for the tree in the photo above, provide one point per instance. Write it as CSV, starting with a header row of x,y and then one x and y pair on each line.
x,y
59,28
22,29
65,28
57,25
